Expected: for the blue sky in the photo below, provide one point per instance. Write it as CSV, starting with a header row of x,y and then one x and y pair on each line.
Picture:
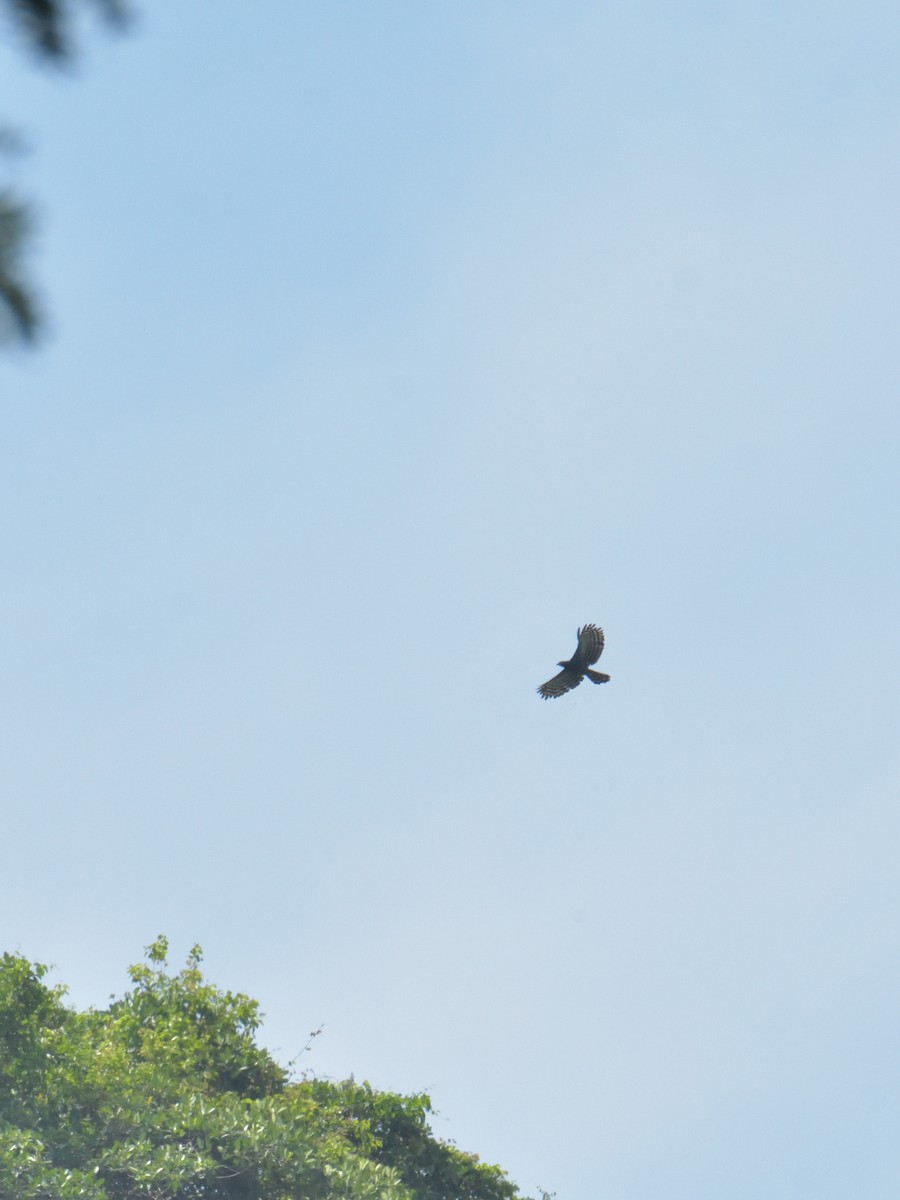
x,y
387,344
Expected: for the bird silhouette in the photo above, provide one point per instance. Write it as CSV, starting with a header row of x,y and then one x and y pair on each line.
x,y
574,669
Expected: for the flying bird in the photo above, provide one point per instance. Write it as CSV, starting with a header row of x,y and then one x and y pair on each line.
x,y
588,650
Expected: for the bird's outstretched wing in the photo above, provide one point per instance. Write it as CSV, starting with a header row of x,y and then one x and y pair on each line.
x,y
560,684
590,647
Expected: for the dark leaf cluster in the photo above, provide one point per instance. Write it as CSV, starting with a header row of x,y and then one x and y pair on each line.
x,y
18,312
46,24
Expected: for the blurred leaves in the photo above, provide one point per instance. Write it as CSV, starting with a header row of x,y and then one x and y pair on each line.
x,y
46,24
45,27
18,315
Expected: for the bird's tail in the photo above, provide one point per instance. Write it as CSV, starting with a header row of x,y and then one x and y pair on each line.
x,y
597,676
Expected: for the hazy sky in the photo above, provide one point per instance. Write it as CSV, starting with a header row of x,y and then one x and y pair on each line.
x,y
388,343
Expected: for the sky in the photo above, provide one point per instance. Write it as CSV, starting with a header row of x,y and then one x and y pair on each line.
x,y
386,344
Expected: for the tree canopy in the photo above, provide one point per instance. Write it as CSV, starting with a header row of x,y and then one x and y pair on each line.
x,y
166,1095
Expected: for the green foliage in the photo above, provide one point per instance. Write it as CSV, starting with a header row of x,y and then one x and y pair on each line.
x,y
394,1131
165,1095
189,1028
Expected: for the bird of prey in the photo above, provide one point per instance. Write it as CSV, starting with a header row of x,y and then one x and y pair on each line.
x,y
588,650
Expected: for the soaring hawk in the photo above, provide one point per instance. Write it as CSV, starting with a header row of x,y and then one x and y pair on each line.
x,y
588,650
